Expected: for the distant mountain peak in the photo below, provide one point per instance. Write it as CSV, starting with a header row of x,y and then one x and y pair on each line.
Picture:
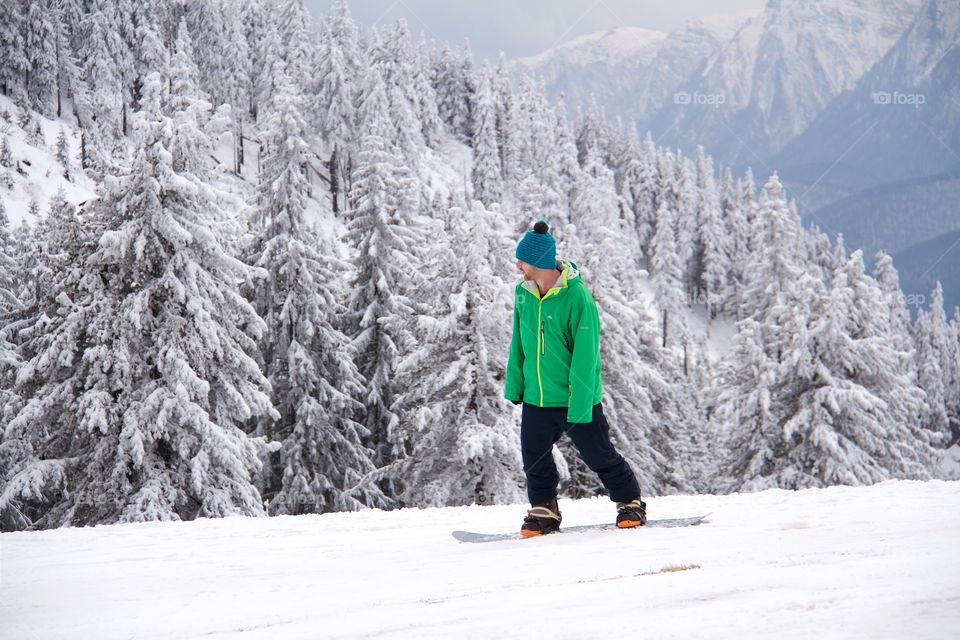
x,y
611,46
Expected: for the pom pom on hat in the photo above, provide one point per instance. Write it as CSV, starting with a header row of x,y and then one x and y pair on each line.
x,y
537,247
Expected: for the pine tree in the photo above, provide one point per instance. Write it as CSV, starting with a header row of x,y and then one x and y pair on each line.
x,y
308,359
40,47
270,63
392,55
463,434
713,253
63,153
66,67
209,41
666,273
608,251
895,303
837,407
236,91
487,181
380,308
186,102
340,69
13,52
148,420
9,300
427,112
6,155
953,382
99,103
735,223
932,337
255,26
452,84
297,35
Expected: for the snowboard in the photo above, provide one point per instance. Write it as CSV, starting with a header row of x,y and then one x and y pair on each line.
x,y
666,523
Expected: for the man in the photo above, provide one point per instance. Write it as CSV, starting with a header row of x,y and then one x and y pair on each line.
x,y
554,371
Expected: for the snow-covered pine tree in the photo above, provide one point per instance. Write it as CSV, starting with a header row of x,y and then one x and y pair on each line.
x,y
774,253
340,70
254,17
149,49
932,336
392,54
13,52
895,303
713,249
308,359
99,102
147,378
65,67
735,223
687,209
463,434
10,361
606,249
270,62
208,40
953,382
236,83
379,305
852,406
189,110
40,46
63,153
454,89
9,301
431,125
298,37
487,180
837,405
666,275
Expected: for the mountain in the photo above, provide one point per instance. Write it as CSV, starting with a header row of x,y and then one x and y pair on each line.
x,y
777,74
630,71
923,265
900,121
893,141
874,219
775,564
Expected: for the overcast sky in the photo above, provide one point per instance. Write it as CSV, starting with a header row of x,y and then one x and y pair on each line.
x,y
525,27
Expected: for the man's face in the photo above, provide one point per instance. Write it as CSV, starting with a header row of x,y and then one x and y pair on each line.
x,y
525,269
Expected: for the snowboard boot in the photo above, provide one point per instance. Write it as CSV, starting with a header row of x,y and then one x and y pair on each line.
x,y
541,518
631,514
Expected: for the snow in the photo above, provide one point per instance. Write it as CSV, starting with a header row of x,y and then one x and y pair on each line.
x,y
867,562
44,175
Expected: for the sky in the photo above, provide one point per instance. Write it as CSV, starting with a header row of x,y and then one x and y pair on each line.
x,y
523,28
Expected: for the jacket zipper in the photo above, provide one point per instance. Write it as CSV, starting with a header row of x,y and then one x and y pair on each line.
x,y
542,350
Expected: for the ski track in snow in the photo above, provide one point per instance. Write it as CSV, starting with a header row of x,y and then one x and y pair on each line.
x,y
869,562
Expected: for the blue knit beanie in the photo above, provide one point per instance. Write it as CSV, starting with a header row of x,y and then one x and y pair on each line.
x,y
538,248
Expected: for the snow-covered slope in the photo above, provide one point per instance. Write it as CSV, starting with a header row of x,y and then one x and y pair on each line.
x,y
871,562
36,174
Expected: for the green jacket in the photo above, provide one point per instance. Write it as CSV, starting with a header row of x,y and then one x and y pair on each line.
x,y
555,349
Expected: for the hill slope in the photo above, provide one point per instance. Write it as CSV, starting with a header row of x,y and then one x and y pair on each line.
x,y
871,562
